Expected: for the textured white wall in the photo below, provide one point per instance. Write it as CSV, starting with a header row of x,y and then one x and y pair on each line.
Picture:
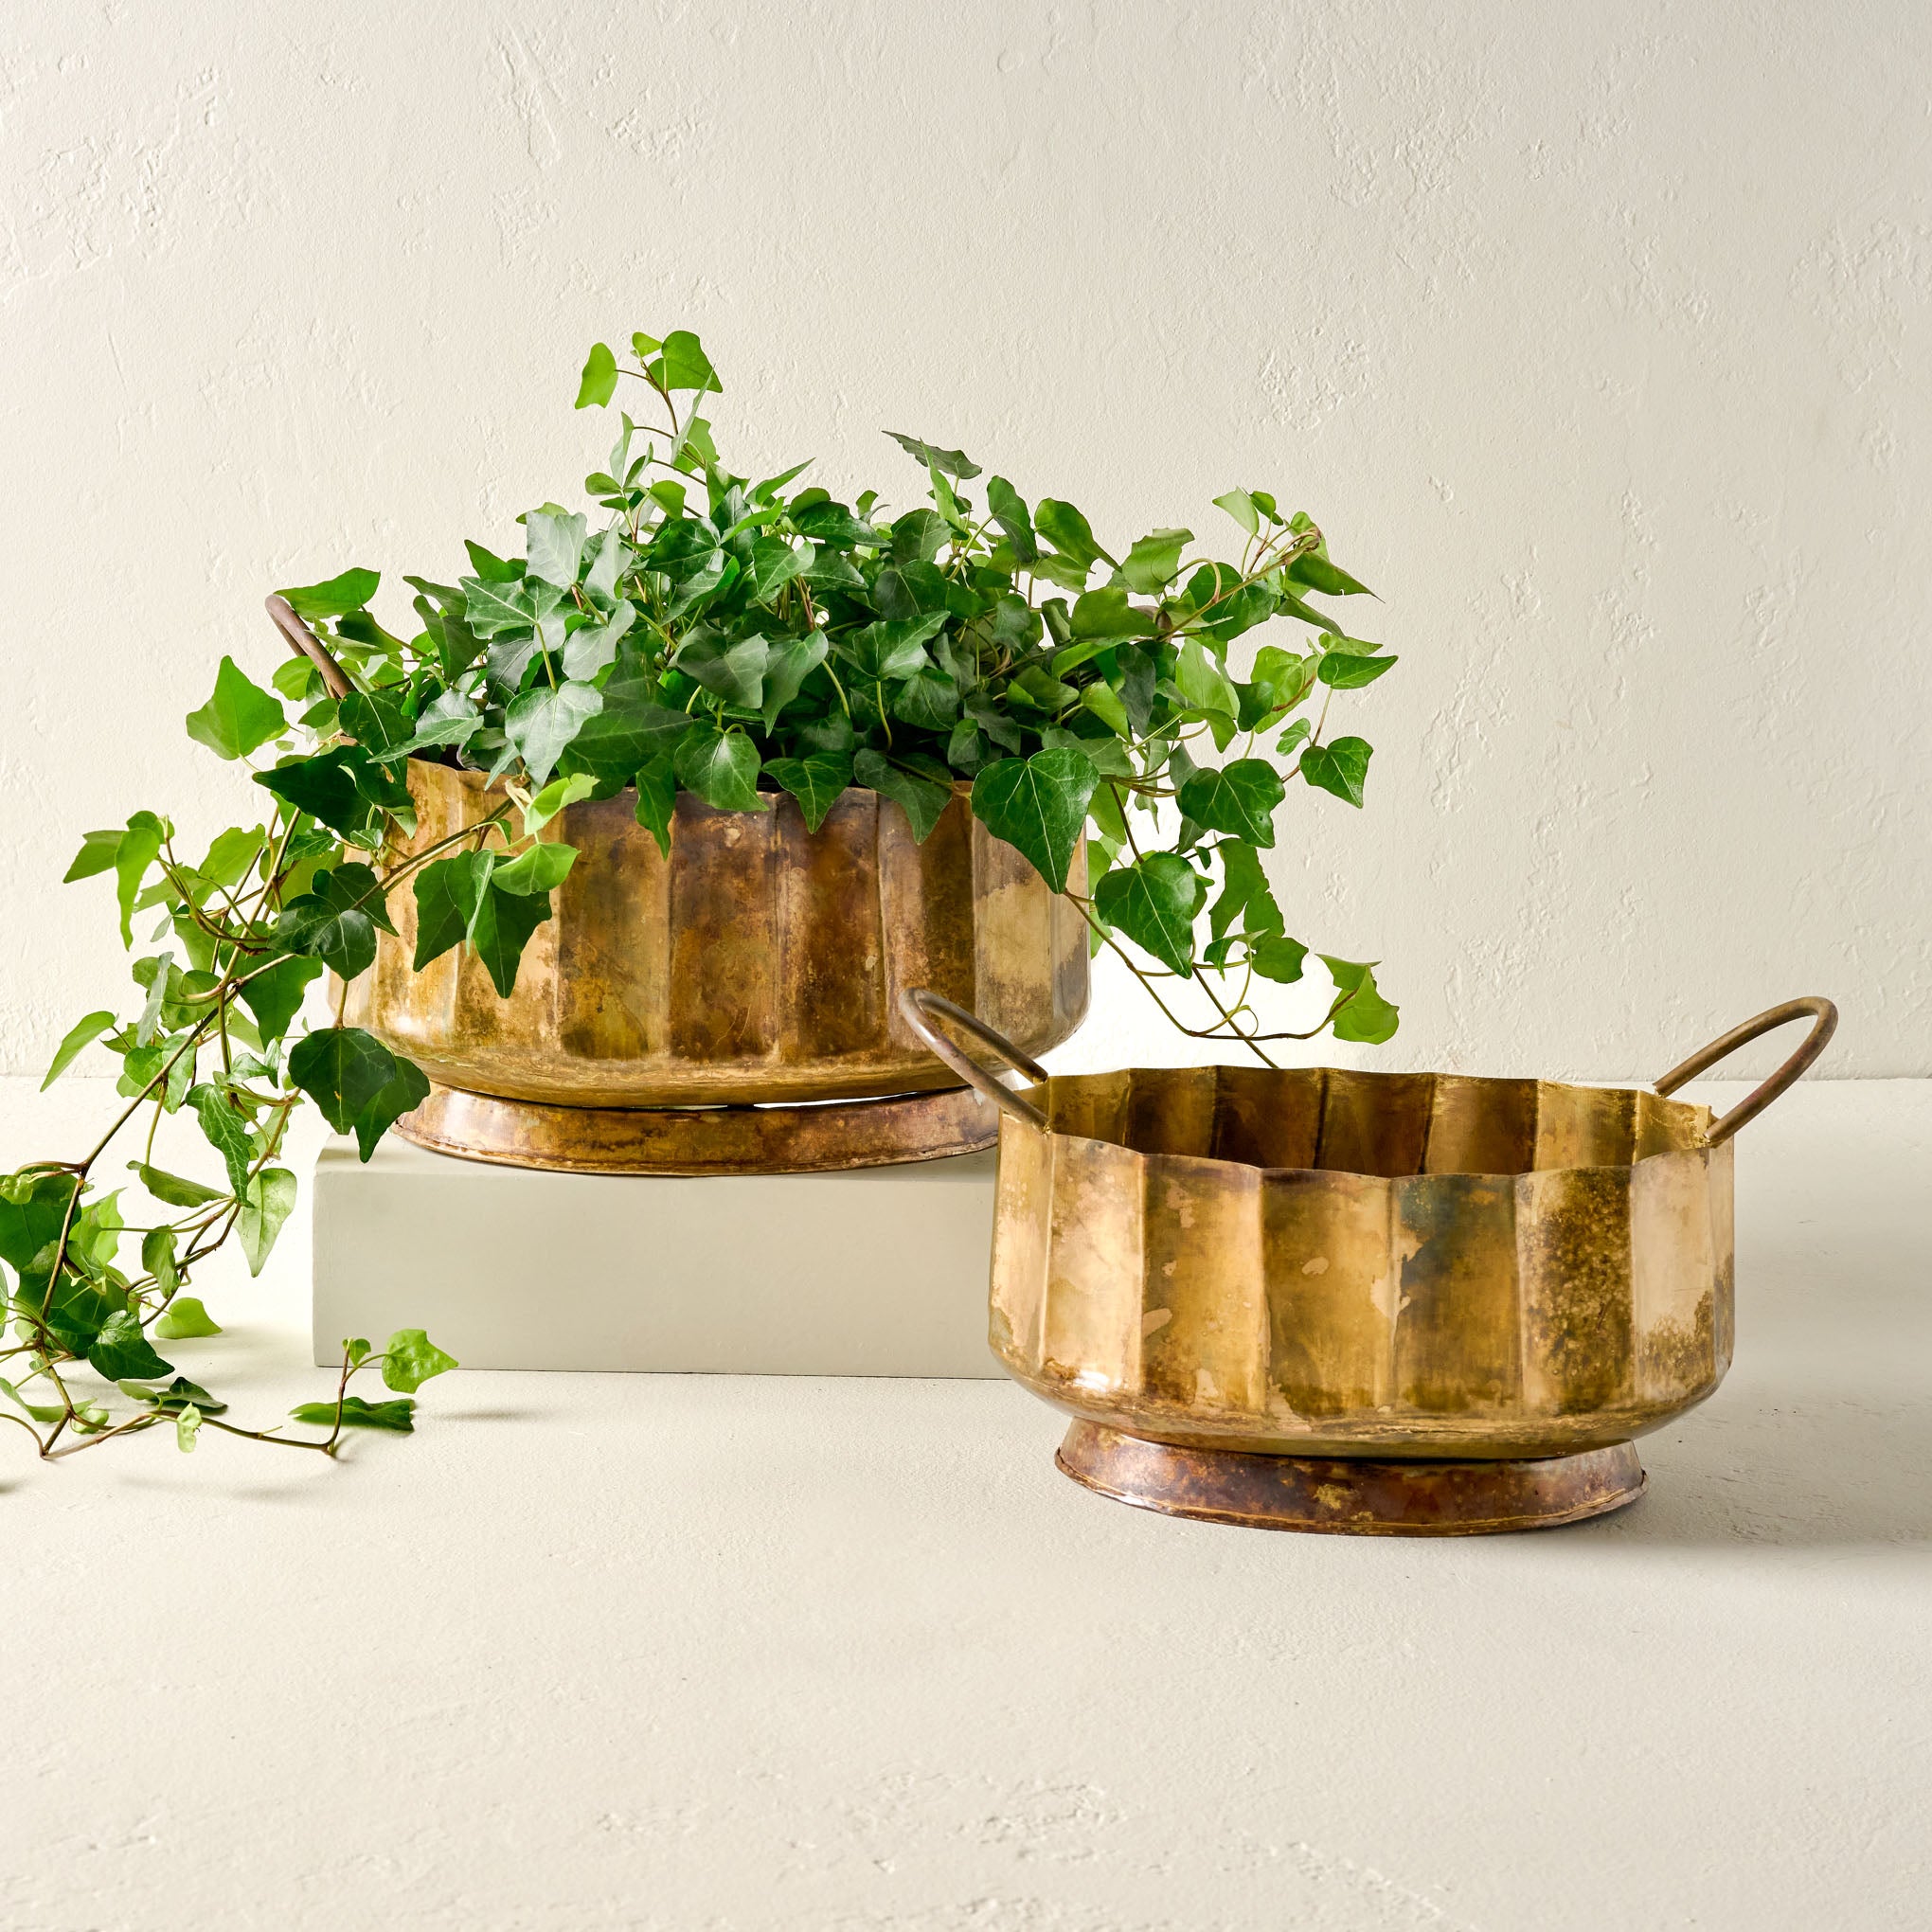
x,y
1596,337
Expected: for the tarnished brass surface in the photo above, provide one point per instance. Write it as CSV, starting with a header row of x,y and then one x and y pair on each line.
x,y
702,1141
758,963
1315,1263
1352,1497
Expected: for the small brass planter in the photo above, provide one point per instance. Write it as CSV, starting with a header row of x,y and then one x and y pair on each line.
x,y
1381,1303
732,1008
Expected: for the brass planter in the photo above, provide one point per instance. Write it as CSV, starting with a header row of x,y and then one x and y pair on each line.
x,y
1394,1303
758,967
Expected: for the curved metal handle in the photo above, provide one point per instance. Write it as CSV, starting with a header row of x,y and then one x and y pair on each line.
x,y
1824,1019
305,643
918,1006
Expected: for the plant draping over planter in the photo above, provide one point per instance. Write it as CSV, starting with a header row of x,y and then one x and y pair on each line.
x,y
733,638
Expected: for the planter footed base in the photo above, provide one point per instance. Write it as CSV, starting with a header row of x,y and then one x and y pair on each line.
x,y
1352,1497
820,1138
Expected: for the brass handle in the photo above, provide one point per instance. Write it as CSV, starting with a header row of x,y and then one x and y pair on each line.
x,y
1824,1019
918,1006
305,643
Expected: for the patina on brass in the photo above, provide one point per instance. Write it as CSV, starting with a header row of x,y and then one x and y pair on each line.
x,y
1353,1496
1328,1266
704,1140
758,967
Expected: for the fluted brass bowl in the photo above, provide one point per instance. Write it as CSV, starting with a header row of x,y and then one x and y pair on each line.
x,y
1332,1263
759,962
1315,1299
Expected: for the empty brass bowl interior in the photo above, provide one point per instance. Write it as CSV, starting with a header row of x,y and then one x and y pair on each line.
x,y
1326,1262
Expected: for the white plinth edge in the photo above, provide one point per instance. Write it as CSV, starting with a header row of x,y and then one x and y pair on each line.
x,y
878,1272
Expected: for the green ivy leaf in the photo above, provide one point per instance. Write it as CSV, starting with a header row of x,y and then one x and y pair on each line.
x,y
232,855
410,1358
1239,799
174,1191
225,1131
731,670
1367,1017
951,462
1203,683
504,922
1347,671
818,781
238,718
1244,894
598,383
687,365
1317,573
324,786
275,997
922,799
121,1351
1154,901
266,1204
929,700
139,847
407,1089
158,1257
1340,767
558,796
1009,510
1103,615
337,920
892,649
341,1069
99,851
185,1319
553,547
1038,805
174,1398
721,767
774,561
188,1422
657,799
1240,507
31,1215
1069,533
1104,703
1155,560
81,1035
628,732
338,598
590,651
1277,958
398,1415
791,661
541,868
542,722
493,607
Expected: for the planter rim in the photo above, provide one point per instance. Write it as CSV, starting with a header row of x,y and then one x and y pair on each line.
x,y
961,787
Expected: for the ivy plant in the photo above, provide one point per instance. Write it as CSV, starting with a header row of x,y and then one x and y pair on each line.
x,y
695,632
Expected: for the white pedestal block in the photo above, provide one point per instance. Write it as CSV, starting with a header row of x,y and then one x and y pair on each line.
x,y
882,1271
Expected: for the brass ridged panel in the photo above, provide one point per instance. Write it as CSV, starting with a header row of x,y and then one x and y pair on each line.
x,y
761,963
1427,1275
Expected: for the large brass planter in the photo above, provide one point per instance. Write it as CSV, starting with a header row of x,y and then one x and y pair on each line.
x,y
759,966
1439,1304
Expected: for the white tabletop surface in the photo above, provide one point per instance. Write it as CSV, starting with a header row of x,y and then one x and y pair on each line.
x,y
692,1653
